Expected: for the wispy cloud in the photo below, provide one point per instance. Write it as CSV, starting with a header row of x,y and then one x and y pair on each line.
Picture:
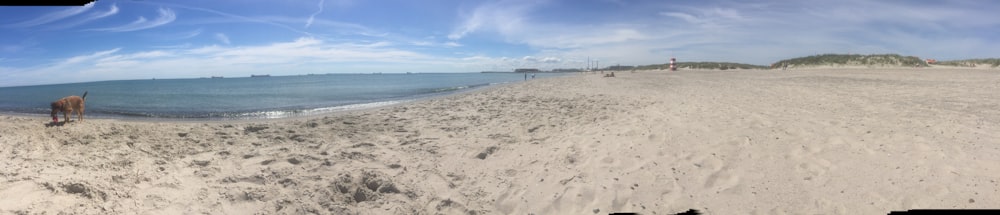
x,y
90,17
239,18
18,47
165,16
178,35
222,38
309,21
83,58
500,16
684,16
54,16
541,60
189,34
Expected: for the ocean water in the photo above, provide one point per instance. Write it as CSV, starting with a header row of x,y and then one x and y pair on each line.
x,y
246,97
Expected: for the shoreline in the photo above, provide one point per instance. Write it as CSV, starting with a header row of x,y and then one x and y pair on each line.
x,y
289,114
721,142
208,100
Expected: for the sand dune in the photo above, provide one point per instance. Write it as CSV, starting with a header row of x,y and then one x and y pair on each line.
x,y
831,141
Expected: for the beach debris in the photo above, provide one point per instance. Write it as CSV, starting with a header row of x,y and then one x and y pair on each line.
x,y
200,163
363,145
487,152
532,130
253,128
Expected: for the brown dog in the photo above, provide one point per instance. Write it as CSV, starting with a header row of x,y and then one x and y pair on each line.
x,y
68,105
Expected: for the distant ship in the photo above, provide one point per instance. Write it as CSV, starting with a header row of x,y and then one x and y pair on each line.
x,y
259,76
216,76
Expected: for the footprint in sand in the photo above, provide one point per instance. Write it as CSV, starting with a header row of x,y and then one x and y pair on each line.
x,y
810,161
722,180
813,169
509,200
720,177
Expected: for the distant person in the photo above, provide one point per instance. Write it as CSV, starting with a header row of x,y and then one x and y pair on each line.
x,y
532,76
525,76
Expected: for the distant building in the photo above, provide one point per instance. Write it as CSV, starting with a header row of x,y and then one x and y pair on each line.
x,y
527,70
931,61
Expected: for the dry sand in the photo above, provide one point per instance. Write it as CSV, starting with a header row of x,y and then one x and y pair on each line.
x,y
830,141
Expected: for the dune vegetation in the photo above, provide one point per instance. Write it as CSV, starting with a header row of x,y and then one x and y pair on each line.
x,y
993,62
834,60
873,60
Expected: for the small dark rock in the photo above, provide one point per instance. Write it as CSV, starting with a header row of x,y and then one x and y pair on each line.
x,y
200,163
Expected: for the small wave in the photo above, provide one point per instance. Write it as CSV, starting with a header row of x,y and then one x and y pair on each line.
x,y
277,114
449,89
356,106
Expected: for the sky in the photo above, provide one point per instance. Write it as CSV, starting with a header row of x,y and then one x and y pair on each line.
x,y
142,39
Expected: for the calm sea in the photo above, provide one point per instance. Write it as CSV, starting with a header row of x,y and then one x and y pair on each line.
x,y
247,98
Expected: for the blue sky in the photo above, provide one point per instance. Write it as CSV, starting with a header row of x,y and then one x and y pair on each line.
x,y
140,39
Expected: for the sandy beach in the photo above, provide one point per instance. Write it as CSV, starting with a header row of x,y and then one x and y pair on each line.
x,y
826,141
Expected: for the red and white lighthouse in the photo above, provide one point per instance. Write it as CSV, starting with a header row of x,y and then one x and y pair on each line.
x,y
673,64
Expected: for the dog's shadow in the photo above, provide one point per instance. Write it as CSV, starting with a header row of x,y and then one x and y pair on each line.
x,y
51,124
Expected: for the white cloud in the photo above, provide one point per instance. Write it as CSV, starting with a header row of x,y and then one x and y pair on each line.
x,y
684,16
230,17
189,34
111,11
541,60
90,17
222,38
95,55
515,22
25,44
501,16
568,38
165,16
54,16
313,16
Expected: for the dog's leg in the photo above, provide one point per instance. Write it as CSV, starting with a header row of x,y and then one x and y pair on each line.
x,y
81,113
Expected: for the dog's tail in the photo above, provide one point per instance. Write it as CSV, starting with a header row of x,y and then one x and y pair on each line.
x,y
84,97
